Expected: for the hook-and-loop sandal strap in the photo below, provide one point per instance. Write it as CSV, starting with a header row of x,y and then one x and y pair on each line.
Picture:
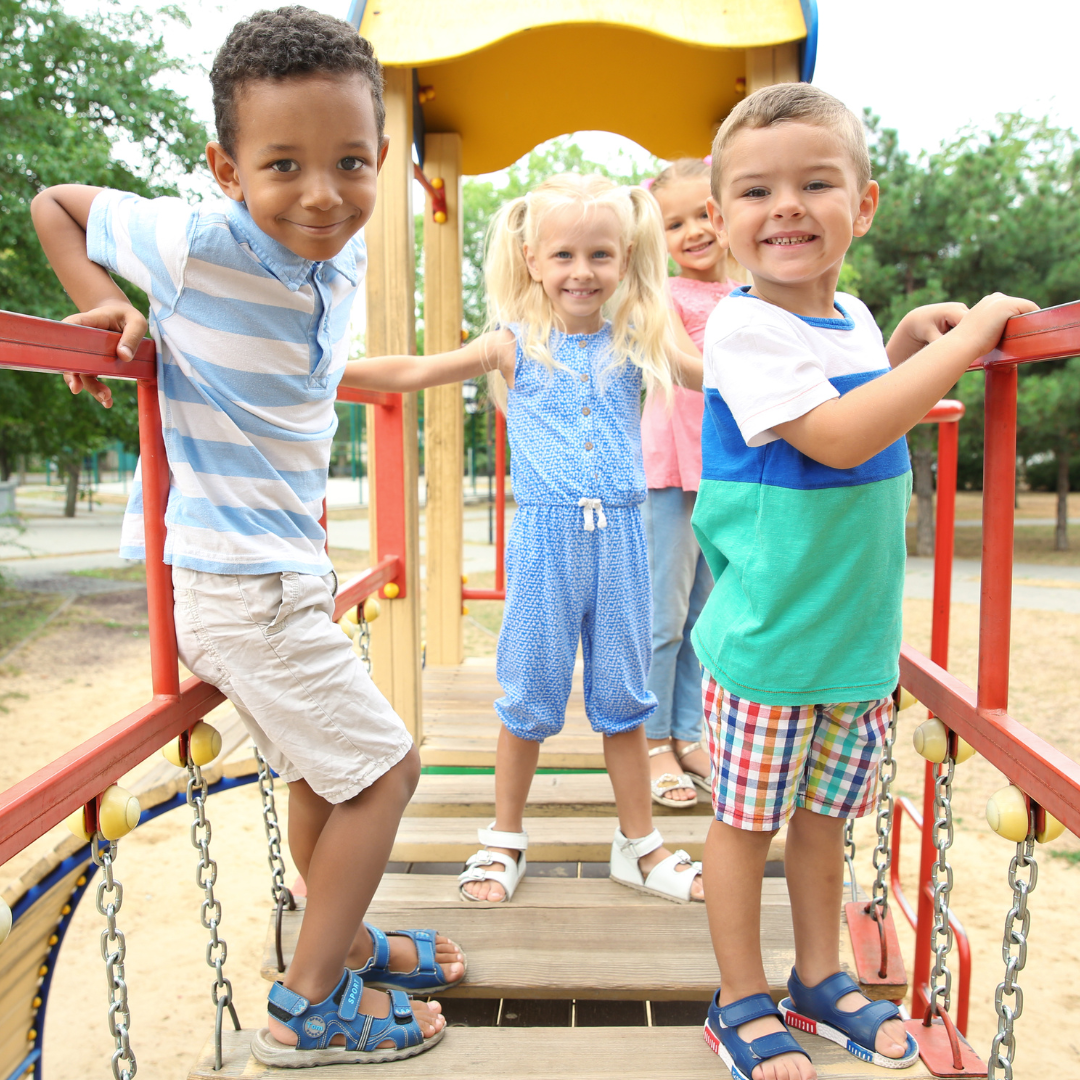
x,y
643,845
492,837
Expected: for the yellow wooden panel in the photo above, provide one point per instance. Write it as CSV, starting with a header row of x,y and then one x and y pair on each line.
x,y
391,330
410,32
444,428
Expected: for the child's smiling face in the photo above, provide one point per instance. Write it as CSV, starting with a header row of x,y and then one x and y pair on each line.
x,y
306,161
691,239
789,207
579,260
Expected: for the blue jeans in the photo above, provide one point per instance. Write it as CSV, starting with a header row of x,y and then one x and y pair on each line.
x,y
681,583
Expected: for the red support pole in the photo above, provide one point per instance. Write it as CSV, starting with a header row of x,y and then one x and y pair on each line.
x,y
999,492
948,444
500,502
386,488
159,595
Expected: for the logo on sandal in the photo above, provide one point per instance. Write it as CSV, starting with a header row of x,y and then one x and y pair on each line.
x,y
314,1026
711,1040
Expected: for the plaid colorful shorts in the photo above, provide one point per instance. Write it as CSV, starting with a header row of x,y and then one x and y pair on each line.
x,y
769,759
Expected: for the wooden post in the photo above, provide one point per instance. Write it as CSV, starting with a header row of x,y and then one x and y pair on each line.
x,y
444,425
391,329
772,64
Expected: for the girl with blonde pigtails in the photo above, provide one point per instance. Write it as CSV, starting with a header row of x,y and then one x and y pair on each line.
x,y
575,278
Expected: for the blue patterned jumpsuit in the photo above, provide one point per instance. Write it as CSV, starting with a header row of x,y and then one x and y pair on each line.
x,y
576,559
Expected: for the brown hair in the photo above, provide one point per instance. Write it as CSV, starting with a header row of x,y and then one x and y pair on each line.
x,y
793,103
686,168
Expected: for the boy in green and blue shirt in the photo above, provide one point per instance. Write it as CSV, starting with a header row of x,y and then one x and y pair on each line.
x,y
804,493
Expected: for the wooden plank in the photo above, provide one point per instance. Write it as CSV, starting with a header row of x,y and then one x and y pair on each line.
x,y
568,938
391,330
551,839
772,64
444,428
551,795
588,1053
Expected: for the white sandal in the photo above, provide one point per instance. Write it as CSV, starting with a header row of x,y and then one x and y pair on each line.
x,y
669,782
703,782
478,867
663,880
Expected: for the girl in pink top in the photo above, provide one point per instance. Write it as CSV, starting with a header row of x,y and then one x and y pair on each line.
x,y
671,445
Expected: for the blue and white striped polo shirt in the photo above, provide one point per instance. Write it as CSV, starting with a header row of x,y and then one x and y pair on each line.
x,y
251,342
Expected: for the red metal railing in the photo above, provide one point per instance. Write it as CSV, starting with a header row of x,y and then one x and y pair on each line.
x,y
499,592
77,778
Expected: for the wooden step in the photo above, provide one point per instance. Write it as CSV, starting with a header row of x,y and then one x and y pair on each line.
x,y
460,726
551,839
551,795
578,1053
575,938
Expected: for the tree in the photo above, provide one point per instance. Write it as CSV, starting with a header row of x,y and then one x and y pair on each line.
x,y
1051,405
990,211
72,93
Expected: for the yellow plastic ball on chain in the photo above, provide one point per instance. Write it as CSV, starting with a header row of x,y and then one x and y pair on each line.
x,y
371,608
351,616
5,920
907,699
76,823
348,627
1007,814
205,746
1051,830
931,740
440,217
392,591
118,813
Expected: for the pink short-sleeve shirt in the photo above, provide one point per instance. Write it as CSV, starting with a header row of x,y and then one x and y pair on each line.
x,y
671,438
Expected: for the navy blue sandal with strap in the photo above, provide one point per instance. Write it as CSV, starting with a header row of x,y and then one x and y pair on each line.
x,y
339,1014
813,1009
426,978
740,1056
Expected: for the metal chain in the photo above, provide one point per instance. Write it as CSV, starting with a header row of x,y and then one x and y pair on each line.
x,y
282,895
879,902
110,898
272,827
210,913
849,857
941,879
363,639
1004,1046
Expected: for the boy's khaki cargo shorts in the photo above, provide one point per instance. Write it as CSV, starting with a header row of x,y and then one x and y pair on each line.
x,y
270,644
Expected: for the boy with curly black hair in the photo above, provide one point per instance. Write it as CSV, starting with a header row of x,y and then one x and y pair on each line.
x,y
250,302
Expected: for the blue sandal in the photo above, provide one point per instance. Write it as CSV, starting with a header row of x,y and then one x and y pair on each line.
x,y
813,1009
339,1014
740,1056
426,978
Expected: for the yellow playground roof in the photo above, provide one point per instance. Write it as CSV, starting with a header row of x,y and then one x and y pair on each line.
x,y
508,74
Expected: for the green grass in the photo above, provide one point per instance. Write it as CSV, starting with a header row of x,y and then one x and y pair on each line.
x,y
1071,857
134,572
21,613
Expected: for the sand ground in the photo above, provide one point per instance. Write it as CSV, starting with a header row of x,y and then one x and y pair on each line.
x,y
93,667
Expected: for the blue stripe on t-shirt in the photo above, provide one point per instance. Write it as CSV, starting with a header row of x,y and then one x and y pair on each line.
x,y
725,455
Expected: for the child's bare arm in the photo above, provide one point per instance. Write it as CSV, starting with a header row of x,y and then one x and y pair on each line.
x,y
399,374
685,361
844,432
60,215
920,327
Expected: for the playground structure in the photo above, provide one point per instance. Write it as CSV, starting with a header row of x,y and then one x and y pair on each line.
x,y
531,948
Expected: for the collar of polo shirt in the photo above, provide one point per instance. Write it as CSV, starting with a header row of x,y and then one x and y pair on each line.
x,y
288,267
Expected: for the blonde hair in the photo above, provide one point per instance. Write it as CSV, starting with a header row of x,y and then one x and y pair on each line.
x,y
794,103
692,168
639,312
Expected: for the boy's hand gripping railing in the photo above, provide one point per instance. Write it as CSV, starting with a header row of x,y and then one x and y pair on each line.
x,y
1049,781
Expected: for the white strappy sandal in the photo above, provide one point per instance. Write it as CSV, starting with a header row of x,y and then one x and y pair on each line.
x,y
664,879
478,867
703,782
669,782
